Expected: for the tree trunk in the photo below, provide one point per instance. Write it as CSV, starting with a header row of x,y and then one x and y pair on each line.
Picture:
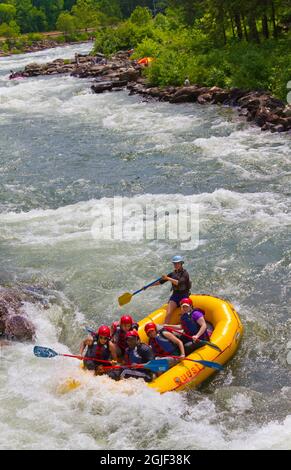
x,y
245,28
221,20
238,25
232,27
275,32
265,27
254,35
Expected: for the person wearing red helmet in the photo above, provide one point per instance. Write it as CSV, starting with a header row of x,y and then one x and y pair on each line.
x,y
135,353
98,346
118,332
192,322
164,343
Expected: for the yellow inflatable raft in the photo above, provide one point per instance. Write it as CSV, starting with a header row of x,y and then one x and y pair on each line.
x,y
226,334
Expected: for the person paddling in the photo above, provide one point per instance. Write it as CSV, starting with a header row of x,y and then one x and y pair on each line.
x,y
181,285
192,322
100,347
164,343
135,353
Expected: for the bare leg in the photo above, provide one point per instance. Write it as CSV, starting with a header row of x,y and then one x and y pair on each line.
x,y
170,309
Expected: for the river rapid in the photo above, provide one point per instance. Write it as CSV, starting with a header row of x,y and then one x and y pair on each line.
x,y
64,154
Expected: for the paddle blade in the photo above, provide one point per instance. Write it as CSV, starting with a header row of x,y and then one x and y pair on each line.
x,y
212,365
157,365
124,299
89,330
40,351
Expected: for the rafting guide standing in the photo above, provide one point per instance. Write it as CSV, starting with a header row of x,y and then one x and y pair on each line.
x,y
181,285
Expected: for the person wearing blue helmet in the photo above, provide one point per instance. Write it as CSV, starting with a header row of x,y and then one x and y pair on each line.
x,y
181,285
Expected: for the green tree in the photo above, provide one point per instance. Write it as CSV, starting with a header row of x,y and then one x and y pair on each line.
x,y
10,30
66,23
141,16
86,14
51,8
23,15
7,12
110,8
30,18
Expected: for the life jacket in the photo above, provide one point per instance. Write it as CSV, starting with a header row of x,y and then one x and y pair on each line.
x,y
119,336
190,326
162,346
134,356
98,351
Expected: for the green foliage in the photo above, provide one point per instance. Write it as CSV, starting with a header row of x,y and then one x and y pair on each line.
x,y
4,46
51,10
247,66
140,16
30,18
125,36
66,23
7,12
10,30
205,46
34,37
86,14
147,48
110,8
60,39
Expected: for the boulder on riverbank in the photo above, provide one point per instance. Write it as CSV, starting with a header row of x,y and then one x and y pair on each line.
x,y
14,322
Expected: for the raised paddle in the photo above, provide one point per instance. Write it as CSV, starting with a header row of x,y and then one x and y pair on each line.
x,y
126,297
212,365
40,351
202,341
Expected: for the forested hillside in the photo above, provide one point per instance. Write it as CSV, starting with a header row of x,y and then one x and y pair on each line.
x,y
25,16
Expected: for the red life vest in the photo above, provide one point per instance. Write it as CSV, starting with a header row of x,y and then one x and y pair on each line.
x,y
119,336
98,351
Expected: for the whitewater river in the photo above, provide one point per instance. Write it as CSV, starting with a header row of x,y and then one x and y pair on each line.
x,y
64,155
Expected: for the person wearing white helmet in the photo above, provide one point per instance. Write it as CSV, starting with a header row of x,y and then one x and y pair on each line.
x,y
181,285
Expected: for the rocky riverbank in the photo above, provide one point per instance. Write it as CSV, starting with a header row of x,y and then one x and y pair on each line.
x,y
119,72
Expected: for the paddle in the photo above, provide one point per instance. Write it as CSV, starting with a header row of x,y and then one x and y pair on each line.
x,y
126,297
40,351
212,365
202,341
90,330
157,365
